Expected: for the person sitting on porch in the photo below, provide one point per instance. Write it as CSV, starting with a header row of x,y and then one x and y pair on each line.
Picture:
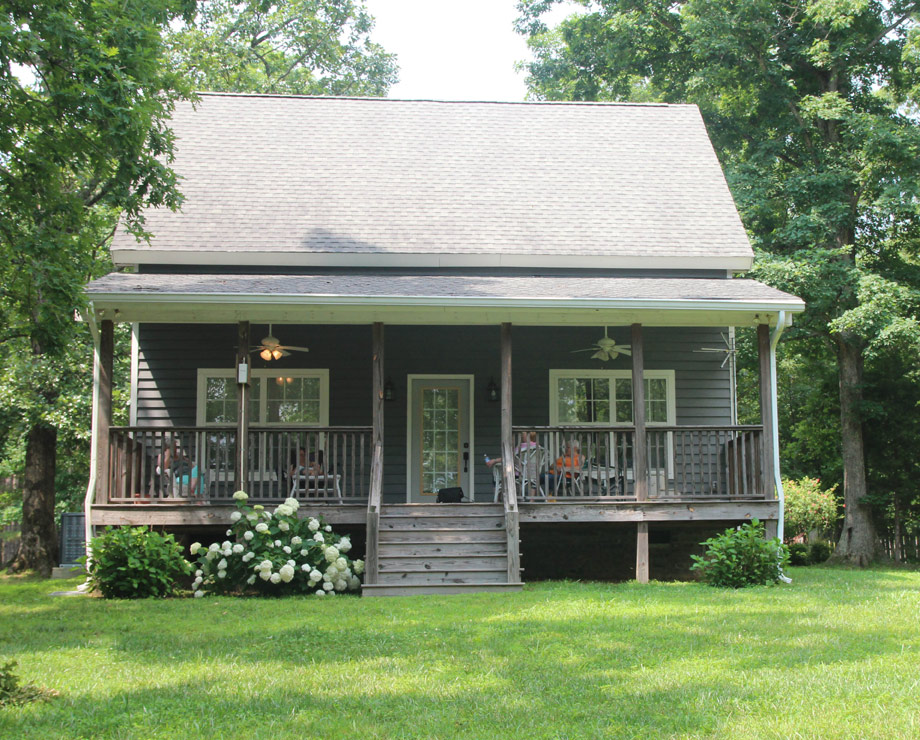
x,y
307,472
566,469
528,441
184,477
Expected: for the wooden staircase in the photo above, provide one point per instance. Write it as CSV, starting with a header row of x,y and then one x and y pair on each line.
x,y
441,548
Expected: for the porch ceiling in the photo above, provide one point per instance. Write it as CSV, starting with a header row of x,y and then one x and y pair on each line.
x,y
437,299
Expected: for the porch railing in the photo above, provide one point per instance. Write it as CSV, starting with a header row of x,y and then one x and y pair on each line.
x,y
683,462
138,471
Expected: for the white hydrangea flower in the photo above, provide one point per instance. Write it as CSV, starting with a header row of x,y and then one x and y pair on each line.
x,y
248,556
305,567
318,537
283,526
252,516
340,585
238,548
222,565
265,575
221,574
196,546
358,566
265,565
211,554
304,553
313,524
354,583
228,552
283,510
214,547
251,579
315,575
199,594
341,564
236,516
332,553
328,527
328,586
258,507
319,592
226,544
266,515
198,572
344,544
198,580
240,496
248,535
295,540
291,563
331,573
311,583
286,549
261,527
270,545
286,573
275,578
292,502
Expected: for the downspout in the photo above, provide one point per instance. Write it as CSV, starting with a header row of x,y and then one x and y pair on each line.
x,y
774,413
89,315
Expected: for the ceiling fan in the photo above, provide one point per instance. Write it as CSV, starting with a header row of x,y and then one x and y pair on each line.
x,y
272,349
729,349
606,348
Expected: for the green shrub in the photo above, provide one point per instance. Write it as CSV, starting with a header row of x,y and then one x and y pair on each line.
x,y
798,553
136,563
819,551
741,557
808,507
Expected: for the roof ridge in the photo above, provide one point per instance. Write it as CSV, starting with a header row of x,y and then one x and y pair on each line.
x,y
378,99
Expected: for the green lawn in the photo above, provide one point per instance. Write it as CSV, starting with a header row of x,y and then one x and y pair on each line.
x,y
836,654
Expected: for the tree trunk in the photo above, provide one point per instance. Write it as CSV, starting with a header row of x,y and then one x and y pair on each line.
x,y
38,548
858,542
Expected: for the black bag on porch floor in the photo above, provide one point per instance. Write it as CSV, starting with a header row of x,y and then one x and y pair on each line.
x,y
450,495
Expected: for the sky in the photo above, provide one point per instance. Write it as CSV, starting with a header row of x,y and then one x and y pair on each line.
x,y
453,51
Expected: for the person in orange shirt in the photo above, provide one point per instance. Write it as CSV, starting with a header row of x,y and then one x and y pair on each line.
x,y
566,468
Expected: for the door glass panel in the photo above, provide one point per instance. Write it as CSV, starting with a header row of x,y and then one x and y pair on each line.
x,y
440,436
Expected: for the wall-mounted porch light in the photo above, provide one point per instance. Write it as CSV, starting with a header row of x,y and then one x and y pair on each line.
x,y
389,392
492,390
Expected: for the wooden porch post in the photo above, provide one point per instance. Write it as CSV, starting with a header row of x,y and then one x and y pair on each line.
x,y
103,420
243,370
640,471
376,483
512,520
766,410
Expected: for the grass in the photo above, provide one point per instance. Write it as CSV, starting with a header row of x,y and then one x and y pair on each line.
x,y
836,654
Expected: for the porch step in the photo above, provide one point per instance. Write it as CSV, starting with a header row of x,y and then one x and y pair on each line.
x,y
440,548
415,589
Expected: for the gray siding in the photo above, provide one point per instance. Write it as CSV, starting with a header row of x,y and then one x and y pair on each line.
x,y
170,355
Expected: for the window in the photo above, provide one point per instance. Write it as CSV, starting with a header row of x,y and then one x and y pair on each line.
x,y
291,397
604,397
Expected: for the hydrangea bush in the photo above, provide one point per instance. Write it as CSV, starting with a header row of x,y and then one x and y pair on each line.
x,y
276,552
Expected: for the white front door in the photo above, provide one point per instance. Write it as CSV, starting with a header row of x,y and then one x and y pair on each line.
x,y
438,436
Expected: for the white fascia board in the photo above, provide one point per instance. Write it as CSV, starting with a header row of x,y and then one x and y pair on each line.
x,y
160,301
428,260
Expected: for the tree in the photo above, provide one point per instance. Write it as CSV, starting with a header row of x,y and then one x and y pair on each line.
x,y
303,47
83,144
808,105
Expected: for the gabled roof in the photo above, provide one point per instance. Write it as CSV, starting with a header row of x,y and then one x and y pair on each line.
x,y
324,181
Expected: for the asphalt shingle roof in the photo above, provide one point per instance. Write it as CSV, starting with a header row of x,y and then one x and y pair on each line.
x,y
376,176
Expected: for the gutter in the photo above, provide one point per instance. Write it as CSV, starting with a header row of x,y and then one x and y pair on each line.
x,y
774,413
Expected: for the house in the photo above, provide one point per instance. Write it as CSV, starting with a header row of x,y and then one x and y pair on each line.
x,y
362,298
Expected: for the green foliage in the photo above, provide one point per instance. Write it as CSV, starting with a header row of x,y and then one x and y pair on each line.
x,y
14,692
819,551
136,563
302,47
809,507
798,553
741,557
276,553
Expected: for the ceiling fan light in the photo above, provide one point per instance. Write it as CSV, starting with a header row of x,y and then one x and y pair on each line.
x,y
277,354
265,354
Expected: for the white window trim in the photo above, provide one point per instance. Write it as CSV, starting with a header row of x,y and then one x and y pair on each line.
x,y
265,374
612,375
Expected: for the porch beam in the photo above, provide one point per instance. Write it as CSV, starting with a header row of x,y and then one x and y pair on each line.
x,y
640,466
372,540
512,525
766,407
241,464
103,420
